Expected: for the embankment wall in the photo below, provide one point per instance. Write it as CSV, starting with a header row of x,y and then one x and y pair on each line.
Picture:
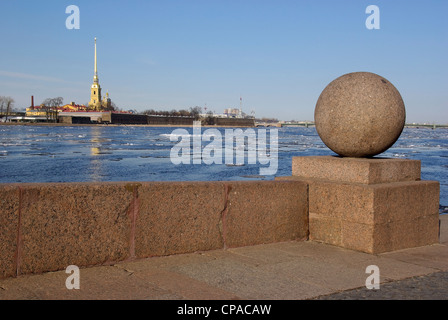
x,y
49,226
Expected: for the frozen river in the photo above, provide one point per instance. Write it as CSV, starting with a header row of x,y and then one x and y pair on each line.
x,y
133,153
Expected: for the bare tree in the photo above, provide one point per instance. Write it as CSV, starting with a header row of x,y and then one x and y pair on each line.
x,y
58,101
209,119
174,113
184,113
51,105
148,112
195,112
47,106
2,104
7,104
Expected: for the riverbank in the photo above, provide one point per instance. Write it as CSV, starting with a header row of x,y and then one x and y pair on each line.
x,y
43,124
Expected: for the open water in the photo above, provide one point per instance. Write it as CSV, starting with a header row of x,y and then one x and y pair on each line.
x,y
137,153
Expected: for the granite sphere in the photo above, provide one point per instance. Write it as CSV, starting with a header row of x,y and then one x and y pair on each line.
x,y
359,114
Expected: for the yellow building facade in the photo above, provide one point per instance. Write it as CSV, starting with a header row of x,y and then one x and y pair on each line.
x,y
35,112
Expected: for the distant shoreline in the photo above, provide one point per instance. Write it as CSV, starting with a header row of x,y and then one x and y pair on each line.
x,y
43,124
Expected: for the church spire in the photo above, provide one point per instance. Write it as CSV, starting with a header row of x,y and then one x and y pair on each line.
x,y
95,77
95,89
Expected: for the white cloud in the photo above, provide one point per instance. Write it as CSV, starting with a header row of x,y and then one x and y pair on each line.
x,y
26,76
18,75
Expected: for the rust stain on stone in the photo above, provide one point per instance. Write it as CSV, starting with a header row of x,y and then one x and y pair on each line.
x,y
222,221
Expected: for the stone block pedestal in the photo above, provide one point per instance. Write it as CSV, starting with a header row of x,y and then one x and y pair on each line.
x,y
373,205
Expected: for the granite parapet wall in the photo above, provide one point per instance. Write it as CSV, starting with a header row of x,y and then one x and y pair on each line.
x,y
47,227
373,205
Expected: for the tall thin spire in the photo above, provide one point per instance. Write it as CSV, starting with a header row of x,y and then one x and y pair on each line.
x,y
95,77
95,89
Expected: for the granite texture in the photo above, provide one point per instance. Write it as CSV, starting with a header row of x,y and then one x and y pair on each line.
x,y
358,170
359,114
9,229
179,217
49,226
374,218
73,224
265,212
372,205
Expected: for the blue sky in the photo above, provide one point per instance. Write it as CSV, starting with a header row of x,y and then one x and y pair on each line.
x,y
277,55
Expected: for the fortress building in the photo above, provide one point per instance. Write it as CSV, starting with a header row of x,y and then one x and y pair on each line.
x,y
96,103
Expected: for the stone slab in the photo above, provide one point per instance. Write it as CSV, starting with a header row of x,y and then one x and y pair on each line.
x,y
179,217
358,170
434,256
374,204
282,270
343,201
9,230
325,229
73,224
183,286
374,218
265,212
249,281
444,229
49,226
388,237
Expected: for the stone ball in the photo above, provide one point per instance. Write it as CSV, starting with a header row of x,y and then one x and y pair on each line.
x,y
359,114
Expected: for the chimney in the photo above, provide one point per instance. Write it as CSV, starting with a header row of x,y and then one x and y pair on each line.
x,y
32,101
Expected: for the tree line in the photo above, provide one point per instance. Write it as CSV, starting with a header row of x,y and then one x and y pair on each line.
x,y
193,112
267,120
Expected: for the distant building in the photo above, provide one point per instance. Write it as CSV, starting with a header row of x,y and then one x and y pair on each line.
x,y
43,111
72,107
233,113
37,111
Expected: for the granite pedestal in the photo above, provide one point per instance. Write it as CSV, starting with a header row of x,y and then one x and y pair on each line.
x,y
373,205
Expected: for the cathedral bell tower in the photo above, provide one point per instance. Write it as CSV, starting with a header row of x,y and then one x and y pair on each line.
x,y
95,89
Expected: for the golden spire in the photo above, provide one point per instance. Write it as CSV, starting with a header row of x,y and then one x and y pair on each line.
x,y
95,77
95,89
